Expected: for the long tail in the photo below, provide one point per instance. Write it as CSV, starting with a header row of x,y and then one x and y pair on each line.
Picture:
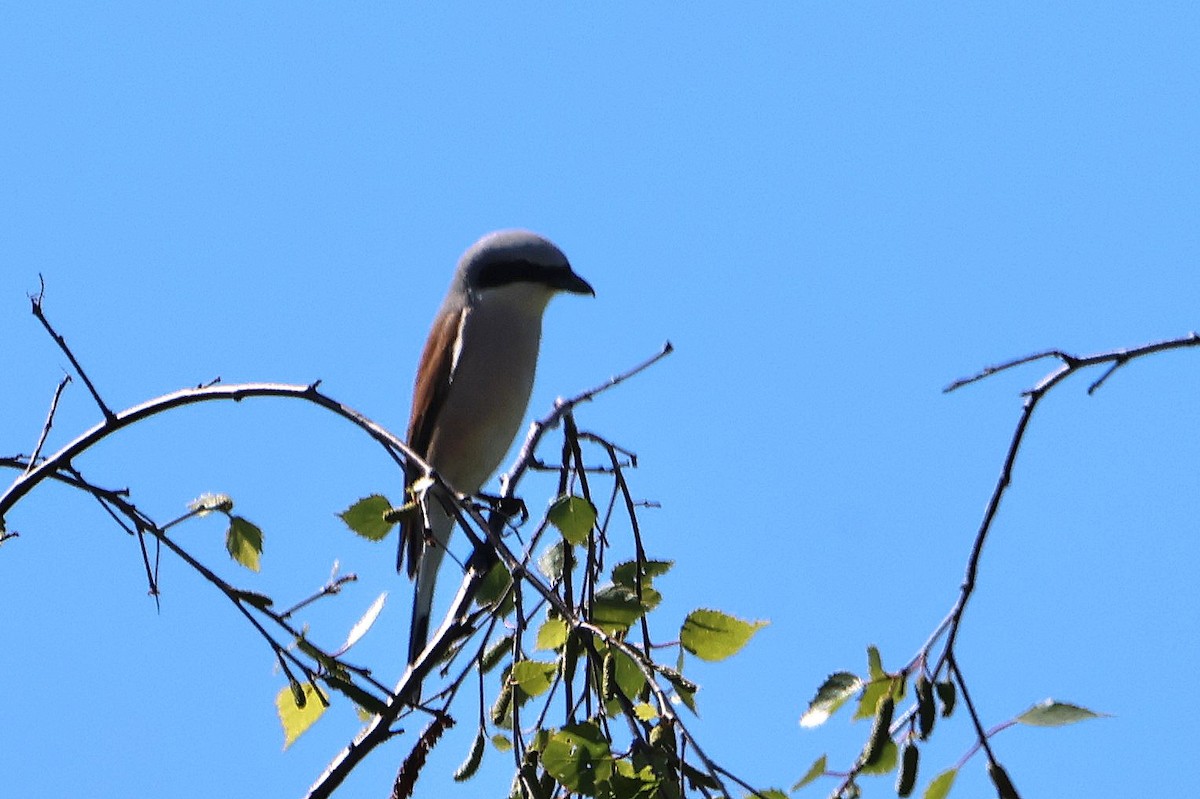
x,y
441,525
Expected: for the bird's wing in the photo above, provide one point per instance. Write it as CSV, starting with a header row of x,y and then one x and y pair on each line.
x,y
429,394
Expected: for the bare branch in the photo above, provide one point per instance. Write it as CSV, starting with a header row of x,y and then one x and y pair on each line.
x,y
948,628
36,302
396,449
1070,365
37,450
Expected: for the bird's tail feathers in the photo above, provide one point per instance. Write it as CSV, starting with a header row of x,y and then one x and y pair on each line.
x,y
440,526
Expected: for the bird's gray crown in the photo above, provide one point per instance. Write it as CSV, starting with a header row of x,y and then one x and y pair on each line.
x,y
515,256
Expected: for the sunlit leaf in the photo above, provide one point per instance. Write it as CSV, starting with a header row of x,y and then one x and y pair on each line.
x,y
629,782
494,585
495,653
645,711
626,573
210,503
578,757
814,772
875,664
616,608
1049,713
552,634
296,719
833,693
244,542
940,787
533,677
552,560
877,689
630,679
713,635
363,624
474,757
574,518
365,517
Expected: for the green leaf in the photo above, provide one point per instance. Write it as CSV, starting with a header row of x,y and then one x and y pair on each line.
x,y
630,679
365,517
361,626
770,793
645,711
815,771
626,573
294,718
244,542
631,783
495,653
1049,713
876,689
552,560
474,757
616,608
493,586
940,787
578,757
552,634
713,635
888,757
875,664
574,518
833,693
533,677
502,742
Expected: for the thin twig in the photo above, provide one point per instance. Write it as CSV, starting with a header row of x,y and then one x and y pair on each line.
x,y
37,450
36,301
334,586
980,733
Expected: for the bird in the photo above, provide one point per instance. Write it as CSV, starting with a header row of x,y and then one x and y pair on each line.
x,y
472,387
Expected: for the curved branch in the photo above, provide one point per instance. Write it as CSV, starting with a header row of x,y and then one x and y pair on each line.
x,y
26,482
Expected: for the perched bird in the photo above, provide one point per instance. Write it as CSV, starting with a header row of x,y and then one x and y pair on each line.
x,y
473,385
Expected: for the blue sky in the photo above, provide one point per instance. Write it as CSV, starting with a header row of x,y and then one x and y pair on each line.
x,y
832,210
